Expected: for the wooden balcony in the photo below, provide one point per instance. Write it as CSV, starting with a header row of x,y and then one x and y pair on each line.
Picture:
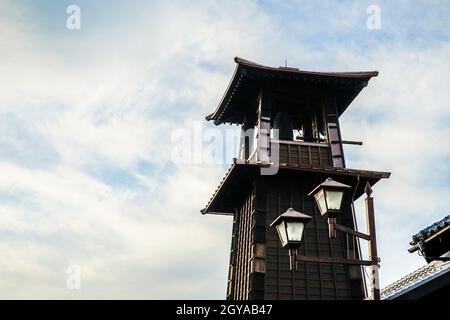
x,y
297,153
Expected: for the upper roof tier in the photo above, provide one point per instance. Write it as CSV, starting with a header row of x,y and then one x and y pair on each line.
x,y
250,77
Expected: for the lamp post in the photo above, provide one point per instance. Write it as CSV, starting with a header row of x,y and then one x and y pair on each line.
x,y
373,254
329,197
290,226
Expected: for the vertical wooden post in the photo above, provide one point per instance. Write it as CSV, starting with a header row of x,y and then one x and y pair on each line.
x,y
293,267
373,255
334,134
263,146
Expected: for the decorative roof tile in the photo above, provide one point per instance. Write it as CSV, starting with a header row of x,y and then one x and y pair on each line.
x,y
430,230
415,279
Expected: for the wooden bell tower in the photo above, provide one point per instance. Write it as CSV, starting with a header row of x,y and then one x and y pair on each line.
x,y
297,112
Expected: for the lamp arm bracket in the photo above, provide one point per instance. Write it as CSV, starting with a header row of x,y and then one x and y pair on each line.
x,y
336,260
352,232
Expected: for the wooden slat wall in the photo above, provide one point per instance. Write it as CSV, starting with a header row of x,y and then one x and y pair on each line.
x,y
266,275
310,155
313,281
240,267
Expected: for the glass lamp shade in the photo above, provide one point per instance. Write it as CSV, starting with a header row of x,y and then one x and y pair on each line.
x,y
295,230
290,232
329,196
290,226
334,199
321,203
282,233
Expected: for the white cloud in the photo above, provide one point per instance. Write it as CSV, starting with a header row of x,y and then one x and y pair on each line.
x,y
113,108
403,118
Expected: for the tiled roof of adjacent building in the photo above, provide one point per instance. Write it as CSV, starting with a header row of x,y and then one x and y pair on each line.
x,y
432,243
415,279
431,230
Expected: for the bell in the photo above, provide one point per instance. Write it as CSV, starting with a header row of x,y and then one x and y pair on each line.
x,y
283,123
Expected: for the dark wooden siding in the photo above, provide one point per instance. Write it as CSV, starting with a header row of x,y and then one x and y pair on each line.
x,y
305,154
259,267
312,280
242,240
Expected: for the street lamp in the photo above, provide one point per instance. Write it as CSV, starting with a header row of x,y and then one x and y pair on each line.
x,y
290,226
329,195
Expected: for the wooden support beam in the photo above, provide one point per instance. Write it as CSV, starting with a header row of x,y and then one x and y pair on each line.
x,y
336,260
358,143
352,232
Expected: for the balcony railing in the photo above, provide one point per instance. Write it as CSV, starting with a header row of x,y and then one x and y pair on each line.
x,y
305,153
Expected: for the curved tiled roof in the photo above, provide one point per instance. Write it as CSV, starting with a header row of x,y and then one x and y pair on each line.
x,y
431,230
235,179
357,75
249,75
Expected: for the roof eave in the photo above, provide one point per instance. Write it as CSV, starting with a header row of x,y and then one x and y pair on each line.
x,y
225,96
355,75
374,175
363,76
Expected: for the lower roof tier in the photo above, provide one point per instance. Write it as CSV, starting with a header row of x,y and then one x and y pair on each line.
x,y
241,176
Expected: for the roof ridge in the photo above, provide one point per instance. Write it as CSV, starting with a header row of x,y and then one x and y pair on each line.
x,y
410,279
431,230
248,73
242,61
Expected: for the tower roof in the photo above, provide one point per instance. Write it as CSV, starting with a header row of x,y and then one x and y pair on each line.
x,y
249,77
241,175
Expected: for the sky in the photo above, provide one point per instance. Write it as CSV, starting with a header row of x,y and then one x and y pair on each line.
x,y
88,185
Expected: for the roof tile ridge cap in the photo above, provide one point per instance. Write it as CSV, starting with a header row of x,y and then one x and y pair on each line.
x,y
409,276
428,228
240,60
442,264
243,61
351,72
